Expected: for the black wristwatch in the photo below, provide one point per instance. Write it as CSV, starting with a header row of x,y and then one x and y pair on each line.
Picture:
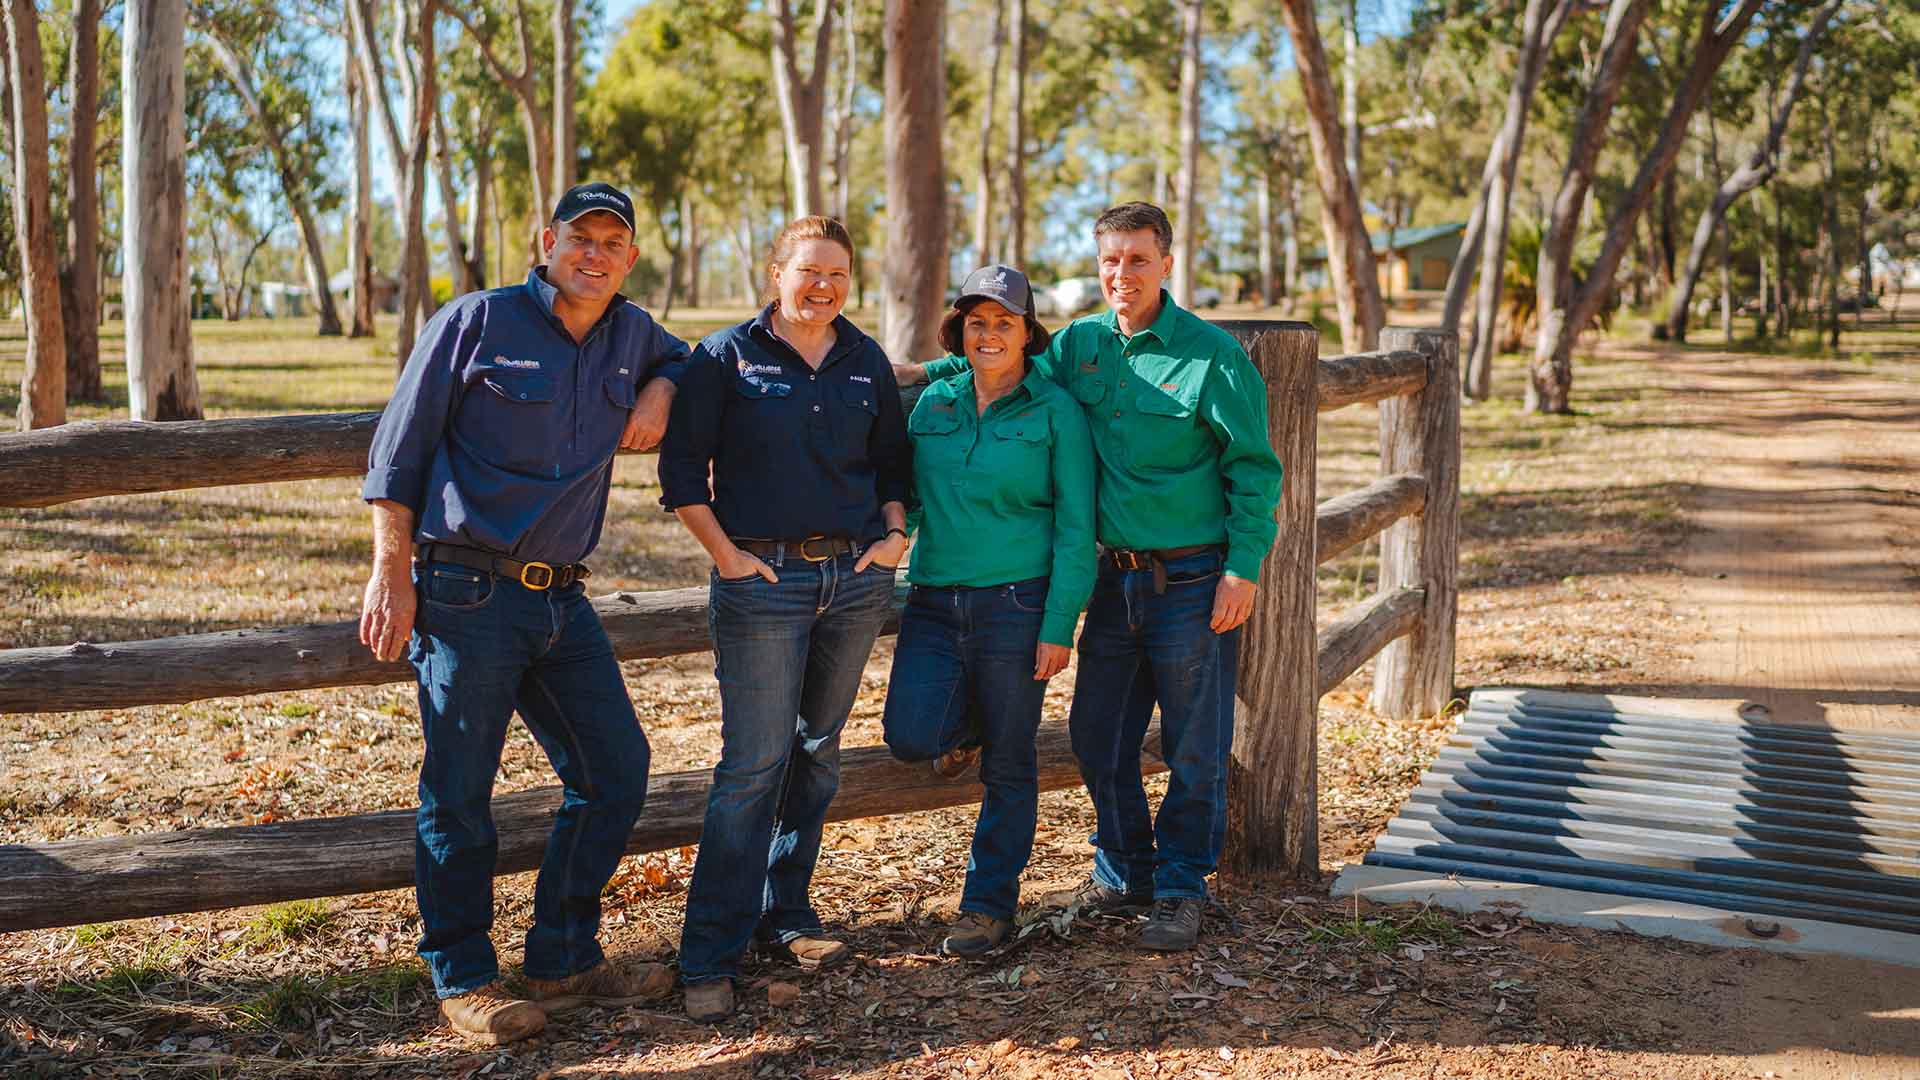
x,y
890,532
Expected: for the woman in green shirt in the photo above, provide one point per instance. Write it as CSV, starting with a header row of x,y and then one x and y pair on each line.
x,y
1004,561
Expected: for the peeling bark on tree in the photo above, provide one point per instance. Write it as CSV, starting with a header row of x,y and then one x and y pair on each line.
x,y
1551,385
360,211
80,273
1356,282
916,258
1186,213
1755,171
293,185
802,100
161,384
1555,278
43,389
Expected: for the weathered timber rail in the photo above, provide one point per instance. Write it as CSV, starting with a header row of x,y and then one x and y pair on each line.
x,y
1284,666
126,877
97,458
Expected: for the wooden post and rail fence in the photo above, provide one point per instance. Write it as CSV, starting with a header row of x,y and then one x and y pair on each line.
x,y
1285,666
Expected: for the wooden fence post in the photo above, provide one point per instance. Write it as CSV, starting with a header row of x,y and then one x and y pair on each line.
x,y
1273,825
1420,433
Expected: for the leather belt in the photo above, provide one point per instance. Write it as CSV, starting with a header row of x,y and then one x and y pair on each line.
x,y
1154,560
534,575
812,549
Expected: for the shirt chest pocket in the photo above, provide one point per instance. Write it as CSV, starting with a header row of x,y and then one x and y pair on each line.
x,y
621,392
1166,424
1018,456
854,417
510,419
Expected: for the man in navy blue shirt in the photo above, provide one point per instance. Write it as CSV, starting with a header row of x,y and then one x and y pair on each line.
x,y
488,478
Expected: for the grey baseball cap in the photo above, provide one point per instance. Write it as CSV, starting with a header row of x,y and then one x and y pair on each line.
x,y
1001,284
582,199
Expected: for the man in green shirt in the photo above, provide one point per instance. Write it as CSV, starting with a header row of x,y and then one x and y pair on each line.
x,y
1188,483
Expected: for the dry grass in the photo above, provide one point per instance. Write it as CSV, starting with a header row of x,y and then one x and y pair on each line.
x,y
1569,524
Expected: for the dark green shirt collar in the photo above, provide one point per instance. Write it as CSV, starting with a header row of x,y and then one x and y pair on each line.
x,y
1163,323
1029,384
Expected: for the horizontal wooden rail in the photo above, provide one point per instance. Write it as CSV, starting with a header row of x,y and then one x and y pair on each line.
x,y
1362,377
232,663
1363,630
91,459
72,882
1342,522
194,667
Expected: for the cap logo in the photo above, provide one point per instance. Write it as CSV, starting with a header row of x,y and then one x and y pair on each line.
x,y
598,195
995,280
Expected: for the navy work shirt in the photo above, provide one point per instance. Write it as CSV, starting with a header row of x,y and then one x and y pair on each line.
x,y
501,431
794,452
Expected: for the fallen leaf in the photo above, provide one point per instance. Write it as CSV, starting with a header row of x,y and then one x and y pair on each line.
x,y
1227,978
1001,1049
782,994
1067,1042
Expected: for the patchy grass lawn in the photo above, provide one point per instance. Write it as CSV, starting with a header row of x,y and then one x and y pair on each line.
x,y
1569,527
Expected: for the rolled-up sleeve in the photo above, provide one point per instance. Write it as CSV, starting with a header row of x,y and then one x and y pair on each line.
x,y
1234,403
416,416
887,445
693,430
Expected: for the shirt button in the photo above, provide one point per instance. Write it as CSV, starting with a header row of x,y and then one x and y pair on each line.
x,y
1116,412
811,378
816,408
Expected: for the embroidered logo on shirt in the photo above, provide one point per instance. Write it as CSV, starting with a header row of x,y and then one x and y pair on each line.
x,y
623,371
1169,386
861,378
501,361
749,369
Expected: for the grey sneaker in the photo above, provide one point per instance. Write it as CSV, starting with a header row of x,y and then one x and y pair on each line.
x,y
973,934
1092,898
1175,924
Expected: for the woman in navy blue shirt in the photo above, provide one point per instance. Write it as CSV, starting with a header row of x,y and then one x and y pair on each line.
x,y
796,417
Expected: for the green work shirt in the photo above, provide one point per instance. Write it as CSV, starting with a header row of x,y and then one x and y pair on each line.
x,y
1005,496
1179,421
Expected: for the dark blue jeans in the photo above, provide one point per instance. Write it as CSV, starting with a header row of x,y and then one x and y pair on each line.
x,y
963,672
485,647
788,657
1138,649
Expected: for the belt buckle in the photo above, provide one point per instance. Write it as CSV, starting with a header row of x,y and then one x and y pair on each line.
x,y
544,568
802,548
1129,559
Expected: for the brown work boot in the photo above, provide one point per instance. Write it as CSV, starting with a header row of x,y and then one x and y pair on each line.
x,y
954,763
810,953
1090,897
710,1001
603,984
974,933
491,1015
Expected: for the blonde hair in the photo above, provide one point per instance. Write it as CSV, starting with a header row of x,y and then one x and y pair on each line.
x,y
798,231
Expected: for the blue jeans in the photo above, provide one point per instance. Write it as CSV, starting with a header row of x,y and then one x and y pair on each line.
x,y
963,673
1138,649
788,657
485,647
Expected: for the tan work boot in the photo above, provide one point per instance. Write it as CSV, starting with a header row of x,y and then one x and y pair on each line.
x,y
954,763
974,933
810,953
492,1016
603,984
710,1001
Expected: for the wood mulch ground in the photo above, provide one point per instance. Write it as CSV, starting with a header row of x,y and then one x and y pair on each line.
x,y
1576,535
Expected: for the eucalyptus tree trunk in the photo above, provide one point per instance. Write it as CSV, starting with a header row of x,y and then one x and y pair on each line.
x,y
535,121
479,213
1356,282
566,48
360,211
1830,243
80,274
916,257
1548,384
843,112
43,389
293,186
1350,85
161,384
463,278
1016,250
1759,168
983,191
406,155
802,99
1540,25
1187,212
1265,197
1550,387
1290,244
